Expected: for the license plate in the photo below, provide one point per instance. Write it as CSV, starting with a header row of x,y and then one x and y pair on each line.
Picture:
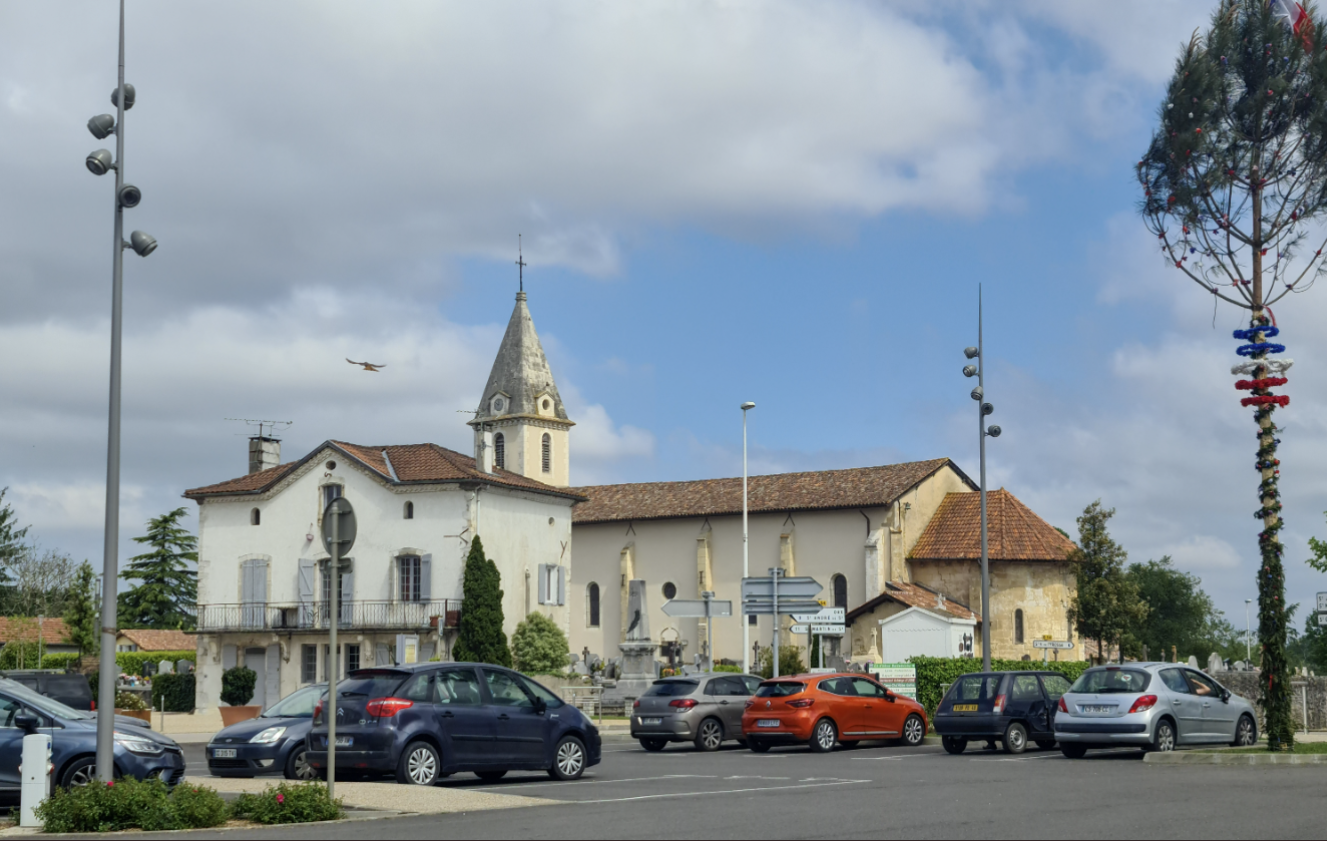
x,y
224,753
1098,708
965,708
342,741
768,722
651,721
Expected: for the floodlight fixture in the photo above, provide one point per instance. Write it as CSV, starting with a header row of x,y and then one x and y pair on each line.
x,y
748,405
976,393
994,432
143,244
130,196
128,96
987,408
100,162
102,126
969,370
970,352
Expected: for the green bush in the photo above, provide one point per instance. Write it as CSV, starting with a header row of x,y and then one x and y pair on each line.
x,y
935,672
288,803
125,700
130,804
173,693
59,661
237,685
724,667
538,646
132,662
19,655
790,661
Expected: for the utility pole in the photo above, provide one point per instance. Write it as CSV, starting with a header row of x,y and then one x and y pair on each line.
x,y
983,409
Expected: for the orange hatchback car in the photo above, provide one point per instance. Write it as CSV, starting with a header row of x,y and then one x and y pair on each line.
x,y
825,710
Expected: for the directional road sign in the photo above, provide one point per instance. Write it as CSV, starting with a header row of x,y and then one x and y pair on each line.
x,y
790,587
766,606
828,630
1322,601
825,614
1064,645
695,608
799,629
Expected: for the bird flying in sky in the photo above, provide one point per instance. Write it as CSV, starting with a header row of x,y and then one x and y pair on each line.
x,y
368,366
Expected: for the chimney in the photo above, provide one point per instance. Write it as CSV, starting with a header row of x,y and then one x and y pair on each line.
x,y
484,458
264,452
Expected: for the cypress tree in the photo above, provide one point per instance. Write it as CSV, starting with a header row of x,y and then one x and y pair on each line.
x,y
481,638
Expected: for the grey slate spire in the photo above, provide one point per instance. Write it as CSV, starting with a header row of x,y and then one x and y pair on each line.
x,y
520,379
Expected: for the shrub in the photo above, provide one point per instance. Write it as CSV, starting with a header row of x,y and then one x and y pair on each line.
x,y
59,661
130,804
237,685
132,662
288,803
724,667
790,661
198,807
934,672
538,646
19,655
125,700
173,693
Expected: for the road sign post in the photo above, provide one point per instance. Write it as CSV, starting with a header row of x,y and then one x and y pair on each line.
x,y
338,537
1046,645
706,607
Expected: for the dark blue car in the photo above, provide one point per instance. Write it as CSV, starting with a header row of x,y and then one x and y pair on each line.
x,y
273,743
140,752
428,721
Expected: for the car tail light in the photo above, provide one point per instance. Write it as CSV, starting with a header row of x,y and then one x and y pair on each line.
x,y
749,702
635,705
318,709
999,704
387,707
1064,708
801,703
682,703
94,706
1143,704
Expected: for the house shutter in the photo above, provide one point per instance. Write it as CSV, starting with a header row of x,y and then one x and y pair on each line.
x,y
380,655
543,583
273,674
562,584
228,657
347,595
304,586
426,578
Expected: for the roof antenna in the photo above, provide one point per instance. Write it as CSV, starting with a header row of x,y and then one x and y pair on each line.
x,y
520,261
273,427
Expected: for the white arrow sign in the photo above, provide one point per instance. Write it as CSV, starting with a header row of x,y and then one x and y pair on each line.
x,y
825,614
829,630
1061,644
695,608
800,629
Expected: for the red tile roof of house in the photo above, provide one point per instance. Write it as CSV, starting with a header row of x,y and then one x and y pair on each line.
x,y
409,464
858,487
24,629
153,640
915,595
1013,531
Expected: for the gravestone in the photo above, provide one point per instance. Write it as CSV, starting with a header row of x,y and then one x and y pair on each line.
x,y
1193,662
165,667
1215,663
183,667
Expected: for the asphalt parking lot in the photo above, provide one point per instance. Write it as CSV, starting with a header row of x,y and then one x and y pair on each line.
x,y
883,791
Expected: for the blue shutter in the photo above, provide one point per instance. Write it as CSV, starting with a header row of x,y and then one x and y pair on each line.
x,y
426,578
304,586
543,583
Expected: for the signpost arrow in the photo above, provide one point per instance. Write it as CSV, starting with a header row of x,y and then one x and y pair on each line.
x,y
829,630
790,587
1063,645
799,629
825,614
695,608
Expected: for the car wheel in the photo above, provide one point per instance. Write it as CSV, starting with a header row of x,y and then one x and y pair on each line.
x,y
490,776
1164,738
1015,738
654,745
1073,751
954,744
914,731
1045,744
1246,732
297,765
709,736
757,745
568,759
824,736
80,772
419,765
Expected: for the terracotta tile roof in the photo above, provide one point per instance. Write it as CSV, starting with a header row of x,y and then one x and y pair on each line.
x,y
1013,531
16,628
914,595
855,488
151,640
411,463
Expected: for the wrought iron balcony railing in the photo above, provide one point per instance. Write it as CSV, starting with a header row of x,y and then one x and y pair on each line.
x,y
312,616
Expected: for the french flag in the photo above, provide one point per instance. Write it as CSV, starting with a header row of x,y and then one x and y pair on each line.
x,y
1296,18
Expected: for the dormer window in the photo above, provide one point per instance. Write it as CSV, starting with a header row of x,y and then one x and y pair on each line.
x,y
500,451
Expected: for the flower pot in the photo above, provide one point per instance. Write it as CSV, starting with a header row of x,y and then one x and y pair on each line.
x,y
234,715
141,715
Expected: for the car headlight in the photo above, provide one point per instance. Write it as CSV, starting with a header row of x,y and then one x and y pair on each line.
x,y
268,736
137,744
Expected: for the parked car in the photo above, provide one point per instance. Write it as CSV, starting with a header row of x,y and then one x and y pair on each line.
x,y
1156,706
273,743
68,688
825,710
704,709
139,752
430,720
1013,708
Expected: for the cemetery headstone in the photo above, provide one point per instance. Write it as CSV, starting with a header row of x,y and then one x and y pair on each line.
x,y
166,667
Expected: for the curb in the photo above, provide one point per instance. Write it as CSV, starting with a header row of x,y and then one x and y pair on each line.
x,y
1269,758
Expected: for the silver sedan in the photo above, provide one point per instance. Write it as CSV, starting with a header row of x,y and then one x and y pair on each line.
x,y
1156,706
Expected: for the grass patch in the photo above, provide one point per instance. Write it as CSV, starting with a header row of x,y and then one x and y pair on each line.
x,y
1299,747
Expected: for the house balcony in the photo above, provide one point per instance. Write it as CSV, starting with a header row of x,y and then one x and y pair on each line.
x,y
441,614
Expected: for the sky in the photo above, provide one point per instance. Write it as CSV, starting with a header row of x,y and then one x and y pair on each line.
x,y
789,202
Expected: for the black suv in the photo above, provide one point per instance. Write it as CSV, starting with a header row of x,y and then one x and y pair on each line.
x,y
1013,708
70,689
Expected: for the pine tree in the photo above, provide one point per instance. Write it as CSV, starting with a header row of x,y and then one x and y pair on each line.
x,y
81,614
168,587
11,539
480,638
1234,182
1107,605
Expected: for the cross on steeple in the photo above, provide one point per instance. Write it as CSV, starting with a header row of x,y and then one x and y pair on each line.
x,y
520,261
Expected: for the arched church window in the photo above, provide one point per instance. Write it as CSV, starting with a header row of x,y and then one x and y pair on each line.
x,y
255,517
592,605
499,451
840,590
409,512
548,453
1018,626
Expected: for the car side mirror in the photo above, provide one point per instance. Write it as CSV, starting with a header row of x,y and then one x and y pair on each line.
x,y
1225,696
540,705
27,722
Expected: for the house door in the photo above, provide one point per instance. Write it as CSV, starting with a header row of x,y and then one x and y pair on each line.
x,y
256,659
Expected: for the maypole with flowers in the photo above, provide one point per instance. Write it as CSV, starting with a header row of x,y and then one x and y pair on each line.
x,y
1234,183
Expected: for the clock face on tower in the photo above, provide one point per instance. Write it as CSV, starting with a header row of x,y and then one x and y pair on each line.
x,y
499,405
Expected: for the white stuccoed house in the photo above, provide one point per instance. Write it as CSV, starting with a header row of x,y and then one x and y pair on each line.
x,y
264,578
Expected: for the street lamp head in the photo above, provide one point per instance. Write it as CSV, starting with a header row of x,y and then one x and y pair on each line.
x,y
976,393
100,162
970,352
987,408
969,370
102,126
994,432
748,405
128,96
142,244
130,196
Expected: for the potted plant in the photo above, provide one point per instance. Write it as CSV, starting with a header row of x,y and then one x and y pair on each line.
x,y
130,704
236,691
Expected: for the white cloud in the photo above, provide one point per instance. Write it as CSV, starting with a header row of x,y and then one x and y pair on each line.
x,y
1203,552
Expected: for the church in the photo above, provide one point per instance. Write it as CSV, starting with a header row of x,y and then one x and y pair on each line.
x,y
884,541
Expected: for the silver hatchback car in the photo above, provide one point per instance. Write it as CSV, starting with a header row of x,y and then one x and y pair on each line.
x,y
704,709
1155,706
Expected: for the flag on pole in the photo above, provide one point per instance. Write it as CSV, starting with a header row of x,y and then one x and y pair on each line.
x,y
1296,18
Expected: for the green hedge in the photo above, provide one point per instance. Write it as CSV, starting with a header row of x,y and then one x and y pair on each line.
x,y
59,661
176,692
935,672
132,662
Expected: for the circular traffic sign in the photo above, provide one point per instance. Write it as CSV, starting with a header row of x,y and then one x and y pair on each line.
x,y
341,512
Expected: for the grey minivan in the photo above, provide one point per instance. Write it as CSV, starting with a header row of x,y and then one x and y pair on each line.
x,y
704,709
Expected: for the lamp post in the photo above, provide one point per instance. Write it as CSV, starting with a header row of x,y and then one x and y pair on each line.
x,y
983,409
126,195
1248,632
746,565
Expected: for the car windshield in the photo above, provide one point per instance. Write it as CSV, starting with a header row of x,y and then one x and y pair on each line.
x,y
298,704
672,688
41,703
975,688
1111,679
782,689
370,684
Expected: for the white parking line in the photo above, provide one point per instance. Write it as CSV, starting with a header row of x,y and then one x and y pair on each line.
x,y
726,791
895,758
516,783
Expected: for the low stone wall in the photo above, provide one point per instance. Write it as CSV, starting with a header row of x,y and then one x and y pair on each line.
x,y
1246,685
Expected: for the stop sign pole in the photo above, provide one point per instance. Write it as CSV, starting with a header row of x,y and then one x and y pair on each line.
x,y
338,536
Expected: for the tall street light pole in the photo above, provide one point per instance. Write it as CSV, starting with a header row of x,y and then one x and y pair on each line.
x,y
983,409
746,562
1248,632
126,195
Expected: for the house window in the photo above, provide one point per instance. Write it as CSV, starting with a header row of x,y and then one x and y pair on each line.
x,y
308,672
352,658
409,511
255,517
1018,626
499,451
839,585
751,619
548,453
669,590
409,572
330,492
592,605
